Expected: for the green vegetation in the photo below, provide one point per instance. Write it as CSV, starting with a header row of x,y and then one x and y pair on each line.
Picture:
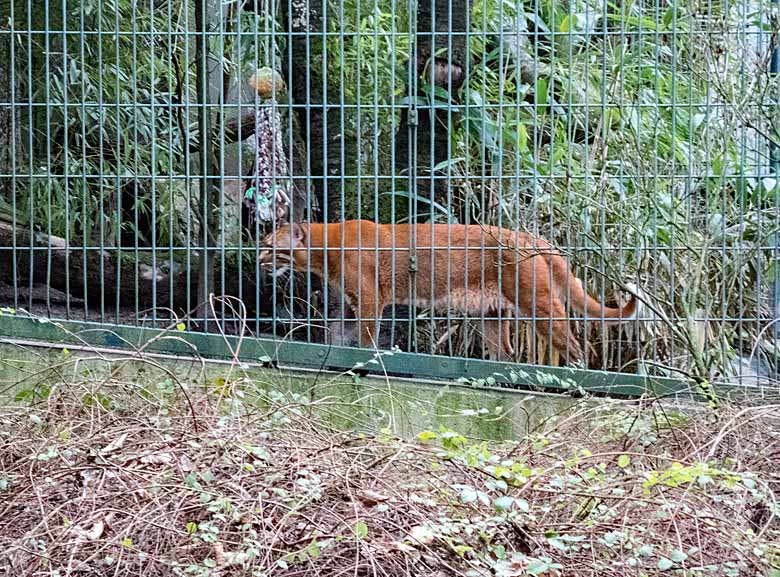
x,y
633,134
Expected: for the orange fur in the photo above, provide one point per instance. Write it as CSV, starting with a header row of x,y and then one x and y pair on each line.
x,y
483,271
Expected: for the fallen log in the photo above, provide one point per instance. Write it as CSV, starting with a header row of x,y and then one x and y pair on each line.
x,y
112,277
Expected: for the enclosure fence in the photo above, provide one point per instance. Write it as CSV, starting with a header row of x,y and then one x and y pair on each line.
x,y
413,175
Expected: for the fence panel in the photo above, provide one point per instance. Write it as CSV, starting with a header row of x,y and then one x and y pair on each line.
x,y
486,148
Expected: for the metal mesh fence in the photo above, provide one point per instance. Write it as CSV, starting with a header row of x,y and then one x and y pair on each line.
x,y
147,149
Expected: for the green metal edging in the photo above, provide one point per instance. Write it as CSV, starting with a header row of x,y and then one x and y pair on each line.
x,y
334,358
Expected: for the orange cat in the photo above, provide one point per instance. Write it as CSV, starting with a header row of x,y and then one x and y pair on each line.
x,y
483,271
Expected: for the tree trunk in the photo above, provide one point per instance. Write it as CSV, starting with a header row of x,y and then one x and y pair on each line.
x,y
422,140
320,122
8,130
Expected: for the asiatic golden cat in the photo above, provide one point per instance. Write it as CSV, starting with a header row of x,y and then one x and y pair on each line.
x,y
480,270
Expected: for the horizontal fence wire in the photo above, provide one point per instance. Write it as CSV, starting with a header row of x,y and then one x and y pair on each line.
x,y
450,170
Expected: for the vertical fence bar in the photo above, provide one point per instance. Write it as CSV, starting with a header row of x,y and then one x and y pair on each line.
x,y
361,321
254,101
618,104
86,210
602,136
31,148
49,169
326,217
224,87
448,180
371,322
153,172
655,179
483,173
497,174
13,178
431,106
117,170
380,258
66,168
102,115
412,115
774,159
520,38
462,247
752,168
136,172
394,34
237,177
567,240
202,88
545,308
173,178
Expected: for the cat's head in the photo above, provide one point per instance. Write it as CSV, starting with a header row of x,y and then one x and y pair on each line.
x,y
279,246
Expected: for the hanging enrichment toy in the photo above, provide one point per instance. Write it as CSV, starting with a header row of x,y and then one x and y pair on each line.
x,y
269,193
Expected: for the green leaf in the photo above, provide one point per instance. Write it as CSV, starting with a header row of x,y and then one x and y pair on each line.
x,y
665,564
565,24
361,530
678,556
540,92
503,503
127,542
624,461
522,137
468,495
449,163
191,527
181,327
541,566
313,550
426,436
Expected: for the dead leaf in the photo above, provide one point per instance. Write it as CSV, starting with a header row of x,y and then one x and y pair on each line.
x,y
156,459
420,535
114,445
371,498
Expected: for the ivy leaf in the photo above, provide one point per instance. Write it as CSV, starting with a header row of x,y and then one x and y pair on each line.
x,y
503,503
468,495
678,556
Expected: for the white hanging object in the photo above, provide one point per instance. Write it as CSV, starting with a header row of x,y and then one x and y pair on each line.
x,y
269,196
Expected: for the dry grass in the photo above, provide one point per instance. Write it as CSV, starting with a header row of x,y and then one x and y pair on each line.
x,y
207,483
